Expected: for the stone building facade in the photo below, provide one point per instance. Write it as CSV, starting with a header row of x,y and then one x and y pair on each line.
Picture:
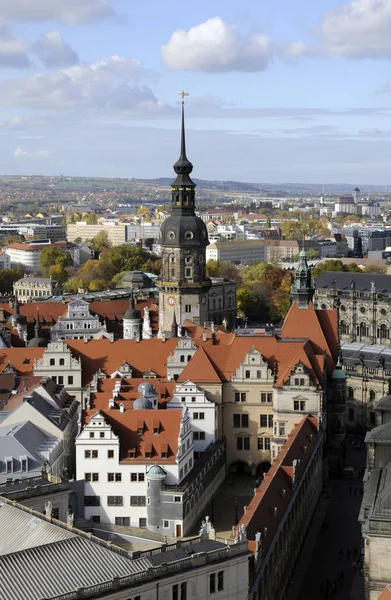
x,y
375,511
79,324
363,302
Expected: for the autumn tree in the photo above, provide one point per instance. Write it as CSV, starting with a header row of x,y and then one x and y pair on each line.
x,y
101,241
219,268
53,255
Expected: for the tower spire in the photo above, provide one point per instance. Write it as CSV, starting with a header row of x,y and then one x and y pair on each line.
x,y
183,133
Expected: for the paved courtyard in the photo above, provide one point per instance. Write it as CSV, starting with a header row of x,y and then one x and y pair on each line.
x,y
237,489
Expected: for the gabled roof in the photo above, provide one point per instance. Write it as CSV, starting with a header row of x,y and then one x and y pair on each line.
x,y
125,425
276,490
108,356
322,330
199,369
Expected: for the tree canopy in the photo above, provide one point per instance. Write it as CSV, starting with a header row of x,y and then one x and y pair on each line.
x,y
53,255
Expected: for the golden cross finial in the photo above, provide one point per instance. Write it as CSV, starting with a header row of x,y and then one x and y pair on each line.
x,y
184,94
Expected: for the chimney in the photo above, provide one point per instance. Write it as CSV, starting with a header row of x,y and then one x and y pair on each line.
x,y
204,336
121,408
111,403
163,337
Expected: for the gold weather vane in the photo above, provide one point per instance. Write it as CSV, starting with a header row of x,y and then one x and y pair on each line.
x,y
183,95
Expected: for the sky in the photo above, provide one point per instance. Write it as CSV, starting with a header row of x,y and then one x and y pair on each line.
x,y
279,91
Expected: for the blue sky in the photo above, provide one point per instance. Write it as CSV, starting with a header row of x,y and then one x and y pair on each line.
x,y
280,91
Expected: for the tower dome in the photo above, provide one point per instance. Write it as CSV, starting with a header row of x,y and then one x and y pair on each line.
x,y
156,472
142,404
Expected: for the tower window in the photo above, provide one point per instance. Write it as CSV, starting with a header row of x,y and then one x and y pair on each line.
x,y
188,271
172,272
188,308
189,235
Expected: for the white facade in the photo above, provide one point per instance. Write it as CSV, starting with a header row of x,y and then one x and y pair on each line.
x,y
202,411
79,324
116,490
5,261
58,363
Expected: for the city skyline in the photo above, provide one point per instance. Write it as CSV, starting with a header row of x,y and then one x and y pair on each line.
x,y
93,89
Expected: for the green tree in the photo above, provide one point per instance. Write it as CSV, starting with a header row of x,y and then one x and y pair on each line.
x,y
53,255
8,278
251,304
129,258
219,268
312,254
59,273
101,241
91,219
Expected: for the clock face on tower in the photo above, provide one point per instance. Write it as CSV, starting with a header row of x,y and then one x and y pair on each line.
x,y
171,301
203,299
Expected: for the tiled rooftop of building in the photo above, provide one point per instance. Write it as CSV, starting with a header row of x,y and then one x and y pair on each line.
x,y
272,497
159,431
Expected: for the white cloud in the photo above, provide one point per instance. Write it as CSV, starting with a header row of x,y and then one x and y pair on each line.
x,y
13,51
361,29
53,51
217,46
71,12
112,82
298,50
19,153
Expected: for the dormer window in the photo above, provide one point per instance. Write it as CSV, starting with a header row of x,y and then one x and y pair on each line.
x,y
140,431
132,454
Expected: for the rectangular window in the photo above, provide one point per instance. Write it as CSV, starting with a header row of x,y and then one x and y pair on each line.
x,y
101,434
267,443
87,453
212,583
91,500
351,414
70,379
270,396
91,476
92,434
236,422
110,476
188,308
133,477
115,501
270,420
110,453
202,435
302,404
24,462
177,498
243,396
243,443
260,443
302,382
193,399
95,518
296,405
124,521
166,524
138,501
188,271
142,523
247,374
220,581
263,420
175,592
259,374
61,380
244,420
183,590
297,381
94,453
281,429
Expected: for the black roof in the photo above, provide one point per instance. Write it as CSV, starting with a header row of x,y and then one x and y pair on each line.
x,y
362,281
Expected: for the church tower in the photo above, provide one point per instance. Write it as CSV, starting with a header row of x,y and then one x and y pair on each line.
x,y
183,285
302,289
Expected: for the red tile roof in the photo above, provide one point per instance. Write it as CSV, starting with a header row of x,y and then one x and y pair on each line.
x,y
200,365
273,496
319,326
386,593
108,356
129,392
126,424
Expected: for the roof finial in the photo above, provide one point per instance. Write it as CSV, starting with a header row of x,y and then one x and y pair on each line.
x,y
36,328
183,137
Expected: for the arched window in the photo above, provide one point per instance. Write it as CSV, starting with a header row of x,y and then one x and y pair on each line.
x,y
62,362
372,395
363,330
350,393
344,328
384,332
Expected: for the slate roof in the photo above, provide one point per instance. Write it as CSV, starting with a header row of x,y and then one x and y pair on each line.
x,y
362,280
36,548
373,356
